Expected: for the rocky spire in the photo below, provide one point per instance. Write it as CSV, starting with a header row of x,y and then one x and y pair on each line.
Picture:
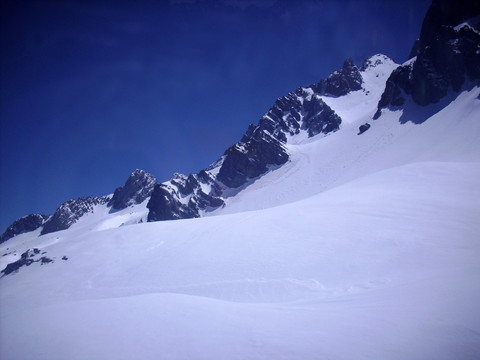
x,y
342,81
137,188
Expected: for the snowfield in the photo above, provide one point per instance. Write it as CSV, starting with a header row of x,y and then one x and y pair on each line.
x,y
361,247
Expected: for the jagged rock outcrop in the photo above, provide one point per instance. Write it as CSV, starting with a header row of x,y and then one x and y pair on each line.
x,y
25,224
137,188
70,211
26,259
183,197
248,160
342,81
443,13
446,55
263,145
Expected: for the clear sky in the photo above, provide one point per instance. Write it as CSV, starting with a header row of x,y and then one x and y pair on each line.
x,y
92,90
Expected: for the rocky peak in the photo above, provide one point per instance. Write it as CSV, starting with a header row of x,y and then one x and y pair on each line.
x,y
25,224
375,61
70,211
445,57
137,188
342,81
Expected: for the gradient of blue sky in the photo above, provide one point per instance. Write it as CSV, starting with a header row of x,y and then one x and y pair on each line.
x,y
92,90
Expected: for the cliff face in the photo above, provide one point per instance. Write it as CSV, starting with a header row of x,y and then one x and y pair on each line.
x,y
444,58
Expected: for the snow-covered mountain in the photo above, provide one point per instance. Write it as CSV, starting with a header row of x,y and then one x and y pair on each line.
x,y
345,224
443,62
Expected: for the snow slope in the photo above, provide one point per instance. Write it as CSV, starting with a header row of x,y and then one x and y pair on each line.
x,y
385,266
361,247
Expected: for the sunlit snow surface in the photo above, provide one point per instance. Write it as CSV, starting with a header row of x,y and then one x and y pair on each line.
x,y
361,247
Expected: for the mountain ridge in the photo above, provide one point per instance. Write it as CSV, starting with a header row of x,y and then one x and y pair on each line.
x,y
261,147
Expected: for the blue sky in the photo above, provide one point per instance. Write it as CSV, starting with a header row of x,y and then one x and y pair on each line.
x,y
92,90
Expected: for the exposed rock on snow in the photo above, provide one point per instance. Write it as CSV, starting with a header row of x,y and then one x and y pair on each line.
x,y
184,197
25,224
363,128
26,259
70,211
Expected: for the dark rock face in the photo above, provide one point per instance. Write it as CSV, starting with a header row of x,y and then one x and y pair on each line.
x,y
445,56
341,82
320,118
25,224
184,197
163,205
443,13
70,211
250,159
138,188
398,84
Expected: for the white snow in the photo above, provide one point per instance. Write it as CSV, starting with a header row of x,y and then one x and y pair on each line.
x,y
361,247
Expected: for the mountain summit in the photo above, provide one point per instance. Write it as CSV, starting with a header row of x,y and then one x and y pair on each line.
x,y
137,188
